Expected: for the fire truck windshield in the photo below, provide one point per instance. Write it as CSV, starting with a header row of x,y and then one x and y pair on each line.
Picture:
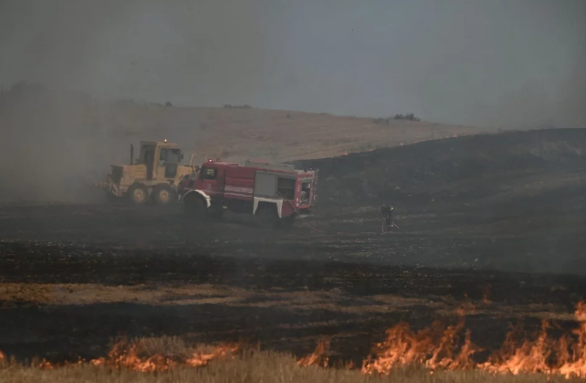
x,y
208,173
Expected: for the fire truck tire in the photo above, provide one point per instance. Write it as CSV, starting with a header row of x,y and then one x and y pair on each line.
x,y
287,222
195,207
138,194
267,216
163,194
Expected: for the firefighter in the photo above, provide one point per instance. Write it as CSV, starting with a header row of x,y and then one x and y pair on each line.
x,y
387,212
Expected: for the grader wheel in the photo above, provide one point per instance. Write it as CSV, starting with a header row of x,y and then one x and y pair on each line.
x,y
138,194
163,194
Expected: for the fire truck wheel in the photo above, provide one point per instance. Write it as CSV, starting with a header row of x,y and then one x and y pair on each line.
x,y
195,207
138,194
267,216
163,194
287,222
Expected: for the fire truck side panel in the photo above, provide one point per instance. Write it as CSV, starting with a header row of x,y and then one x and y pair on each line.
x,y
265,185
238,190
239,184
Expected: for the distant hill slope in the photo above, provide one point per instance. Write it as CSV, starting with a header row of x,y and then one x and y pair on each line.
x,y
231,132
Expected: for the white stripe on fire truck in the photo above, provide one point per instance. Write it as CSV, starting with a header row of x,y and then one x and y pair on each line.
x,y
238,189
238,194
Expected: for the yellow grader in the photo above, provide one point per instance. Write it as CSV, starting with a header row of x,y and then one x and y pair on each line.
x,y
153,178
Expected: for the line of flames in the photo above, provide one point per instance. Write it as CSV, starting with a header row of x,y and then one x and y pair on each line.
x,y
124,355
436,348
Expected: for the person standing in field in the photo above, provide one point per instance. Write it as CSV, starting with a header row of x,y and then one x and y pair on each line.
x,y
387,212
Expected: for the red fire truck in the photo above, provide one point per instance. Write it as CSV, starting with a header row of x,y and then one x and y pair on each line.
x,y
274,193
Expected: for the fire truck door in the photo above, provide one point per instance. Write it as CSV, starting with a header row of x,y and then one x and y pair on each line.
x,y
210,180
221,181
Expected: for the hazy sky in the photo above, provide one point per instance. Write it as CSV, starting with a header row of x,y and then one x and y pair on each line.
x,y
511,63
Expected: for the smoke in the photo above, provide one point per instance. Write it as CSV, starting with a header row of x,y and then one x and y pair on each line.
x,y
487,63
492,63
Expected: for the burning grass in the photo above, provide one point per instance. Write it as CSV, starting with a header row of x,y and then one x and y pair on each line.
x,y
435,354
439,348
249,367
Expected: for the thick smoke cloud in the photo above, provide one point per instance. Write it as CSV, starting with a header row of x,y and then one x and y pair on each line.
x,y
487,63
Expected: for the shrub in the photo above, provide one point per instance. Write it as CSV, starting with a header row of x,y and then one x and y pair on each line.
x,y
387,121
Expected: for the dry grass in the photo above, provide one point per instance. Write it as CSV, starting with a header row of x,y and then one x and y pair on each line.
x,y
251,367
229,133
192,294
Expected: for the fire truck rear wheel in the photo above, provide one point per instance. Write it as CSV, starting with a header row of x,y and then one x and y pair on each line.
x,y
163,194
267,216
138,194
195,207
287,222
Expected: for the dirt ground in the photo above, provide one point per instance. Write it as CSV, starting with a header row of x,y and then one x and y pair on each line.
x,y
74,277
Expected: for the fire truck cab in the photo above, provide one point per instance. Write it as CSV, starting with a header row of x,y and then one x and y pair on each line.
x,y
274,193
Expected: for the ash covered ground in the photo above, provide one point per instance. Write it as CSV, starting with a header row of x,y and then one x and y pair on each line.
x,y
494,223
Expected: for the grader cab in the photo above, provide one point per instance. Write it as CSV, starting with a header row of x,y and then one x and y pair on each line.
x,y
153,178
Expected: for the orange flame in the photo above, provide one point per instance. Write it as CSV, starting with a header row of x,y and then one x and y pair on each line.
x,y
125,355
318,357
201,359
435,348
563,356
432,347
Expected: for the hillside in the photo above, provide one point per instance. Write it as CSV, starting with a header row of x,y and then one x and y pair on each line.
x,y
511,183
465,168
62,139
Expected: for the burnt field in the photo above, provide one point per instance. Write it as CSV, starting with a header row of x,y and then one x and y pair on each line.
x,y
494,230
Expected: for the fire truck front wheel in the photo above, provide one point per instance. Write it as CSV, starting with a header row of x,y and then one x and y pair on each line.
x,y
195,206
287,222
